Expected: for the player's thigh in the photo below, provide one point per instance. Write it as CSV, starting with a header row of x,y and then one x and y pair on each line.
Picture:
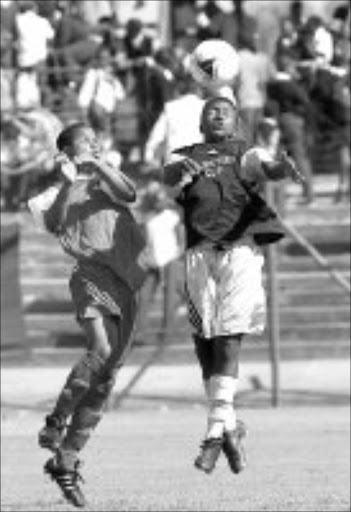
x,y
98,336
226,352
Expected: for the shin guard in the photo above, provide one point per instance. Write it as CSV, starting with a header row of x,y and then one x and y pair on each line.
x,y
88,414
78,383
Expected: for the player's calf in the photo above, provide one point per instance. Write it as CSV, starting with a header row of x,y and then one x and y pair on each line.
x,y
50,436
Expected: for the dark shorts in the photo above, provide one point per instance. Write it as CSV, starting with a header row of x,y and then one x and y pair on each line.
x,y
97,291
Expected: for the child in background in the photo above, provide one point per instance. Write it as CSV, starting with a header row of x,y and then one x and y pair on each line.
x,y
163,233
226,223
91,218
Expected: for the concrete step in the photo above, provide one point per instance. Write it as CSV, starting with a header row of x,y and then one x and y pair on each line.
x,y
290,314
176,350
297,327
37,265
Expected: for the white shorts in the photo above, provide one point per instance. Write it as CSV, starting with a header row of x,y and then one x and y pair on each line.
x,y
224,289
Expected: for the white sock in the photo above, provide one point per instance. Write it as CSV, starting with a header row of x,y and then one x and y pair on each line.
x,y
221,414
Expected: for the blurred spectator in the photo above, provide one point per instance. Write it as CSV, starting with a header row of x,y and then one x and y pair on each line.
x,y
161,84
255,70
296,14
184,24
100,91
293,111
27,154
178,124
8,55
34,34
164,236
330,96
7,88
224,20
244,27
287,40
322,40
8,33
212,22
140,48
340,29
74,46
269,138
315,42
268,135
137,42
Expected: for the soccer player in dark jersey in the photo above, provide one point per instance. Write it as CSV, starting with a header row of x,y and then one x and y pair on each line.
x,y
91,218
227,221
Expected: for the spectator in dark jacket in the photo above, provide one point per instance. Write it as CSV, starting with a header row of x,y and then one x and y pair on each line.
x,y
294,109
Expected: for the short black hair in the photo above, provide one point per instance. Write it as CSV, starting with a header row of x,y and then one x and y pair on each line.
x,y
68,135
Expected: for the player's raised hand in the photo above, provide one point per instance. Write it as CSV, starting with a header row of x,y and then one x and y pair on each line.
x,y
291,169
67,167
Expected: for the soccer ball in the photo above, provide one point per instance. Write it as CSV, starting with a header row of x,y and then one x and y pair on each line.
x,y
214,63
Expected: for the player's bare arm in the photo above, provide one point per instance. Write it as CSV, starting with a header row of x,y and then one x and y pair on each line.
x,y
258,164
283,167
121,187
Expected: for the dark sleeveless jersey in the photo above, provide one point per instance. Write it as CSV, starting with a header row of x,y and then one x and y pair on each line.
x,y
222,205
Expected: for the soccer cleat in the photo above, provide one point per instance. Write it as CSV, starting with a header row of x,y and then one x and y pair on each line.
x,y
50,436
67,481
210,451
233,448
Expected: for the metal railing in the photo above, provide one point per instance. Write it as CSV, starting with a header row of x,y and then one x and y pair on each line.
x,y
273,294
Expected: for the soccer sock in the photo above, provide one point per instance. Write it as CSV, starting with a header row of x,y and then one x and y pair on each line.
x,y
77,384
87,415
221,414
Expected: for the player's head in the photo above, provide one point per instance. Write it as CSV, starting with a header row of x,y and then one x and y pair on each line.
x,y
219,119
78,139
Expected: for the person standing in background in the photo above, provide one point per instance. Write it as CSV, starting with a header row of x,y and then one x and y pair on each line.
x,y
255,70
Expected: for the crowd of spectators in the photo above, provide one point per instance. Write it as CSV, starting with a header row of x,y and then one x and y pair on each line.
x,y
123,81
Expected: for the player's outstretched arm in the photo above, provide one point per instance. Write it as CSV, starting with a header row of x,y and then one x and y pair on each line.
x,y
282,167
259,165
121,187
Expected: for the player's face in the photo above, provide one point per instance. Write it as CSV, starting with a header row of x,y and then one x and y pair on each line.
x,y
219,121
87,144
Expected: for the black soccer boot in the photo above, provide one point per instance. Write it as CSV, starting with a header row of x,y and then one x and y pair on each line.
x,y
67,480
50,436
233,448
210,451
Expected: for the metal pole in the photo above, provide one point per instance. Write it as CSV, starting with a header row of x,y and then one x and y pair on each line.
x,y
273,313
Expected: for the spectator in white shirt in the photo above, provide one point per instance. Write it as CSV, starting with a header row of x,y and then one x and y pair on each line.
x,y
33,35
255,70
100,91
178,124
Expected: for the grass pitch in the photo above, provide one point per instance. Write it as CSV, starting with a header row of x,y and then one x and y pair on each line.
x,y
142,460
